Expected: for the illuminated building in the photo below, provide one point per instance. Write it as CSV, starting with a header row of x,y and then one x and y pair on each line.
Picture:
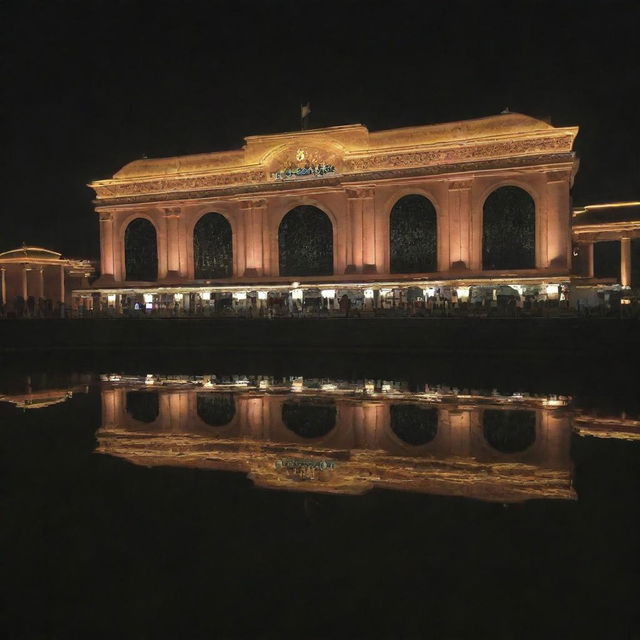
x,y
40,275
459,207
614,227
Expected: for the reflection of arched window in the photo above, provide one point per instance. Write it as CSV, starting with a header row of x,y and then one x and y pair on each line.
x,y
509,230
305,241
143,406
141,251
212,249
509,431
309,419
413,234
216,409
414,424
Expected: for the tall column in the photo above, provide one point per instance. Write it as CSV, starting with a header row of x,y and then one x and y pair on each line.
x,y
558,237
107,258
25,282
172,218
4,286
62,291
625,262
459,213
361,238
253,215
40,292
589,250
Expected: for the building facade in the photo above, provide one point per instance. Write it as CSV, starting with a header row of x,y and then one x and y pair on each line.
x,y
37,281
477,202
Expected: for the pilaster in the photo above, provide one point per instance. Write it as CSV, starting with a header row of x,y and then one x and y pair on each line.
x,y
361,234
557,239
253,221
171,217
107,257
459,251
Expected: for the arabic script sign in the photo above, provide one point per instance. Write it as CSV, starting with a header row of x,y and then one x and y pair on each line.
x,y
312,170
296,169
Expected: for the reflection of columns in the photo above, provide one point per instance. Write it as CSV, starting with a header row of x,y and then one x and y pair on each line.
x,y
254,413
112,407
253,212
4,286
25,286
459,422
174,410
361,236
459,240
625,262
106,246
172,217
557,240
554,438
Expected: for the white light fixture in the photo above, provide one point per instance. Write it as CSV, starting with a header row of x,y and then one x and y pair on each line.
x,y
368,293
205,295
240,295
262,295
463,293
295,285
148,297
111,297
330,294
178,297
429,293
296,294
552,289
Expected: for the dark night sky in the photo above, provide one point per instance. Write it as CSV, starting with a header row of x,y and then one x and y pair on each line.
x,y
91,85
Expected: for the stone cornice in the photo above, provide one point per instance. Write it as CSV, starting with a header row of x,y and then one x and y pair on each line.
x,y
252,190
431,158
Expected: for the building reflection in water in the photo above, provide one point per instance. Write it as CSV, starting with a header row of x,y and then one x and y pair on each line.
x,y
336,437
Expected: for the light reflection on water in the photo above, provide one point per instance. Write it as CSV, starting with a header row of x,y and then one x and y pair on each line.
x,y
337,436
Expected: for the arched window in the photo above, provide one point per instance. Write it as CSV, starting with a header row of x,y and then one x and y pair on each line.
x,y
509,230
309,419
509,431
212,247
141,251
414,424
215,409
305,241
413,235
143,406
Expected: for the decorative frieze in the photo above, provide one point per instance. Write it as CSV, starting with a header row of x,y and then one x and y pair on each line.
x,y
460,153
114,189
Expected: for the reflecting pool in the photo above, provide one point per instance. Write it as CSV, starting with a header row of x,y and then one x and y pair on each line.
x,y
236,504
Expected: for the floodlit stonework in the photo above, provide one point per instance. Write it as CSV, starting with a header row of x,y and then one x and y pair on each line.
x,y
456,166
